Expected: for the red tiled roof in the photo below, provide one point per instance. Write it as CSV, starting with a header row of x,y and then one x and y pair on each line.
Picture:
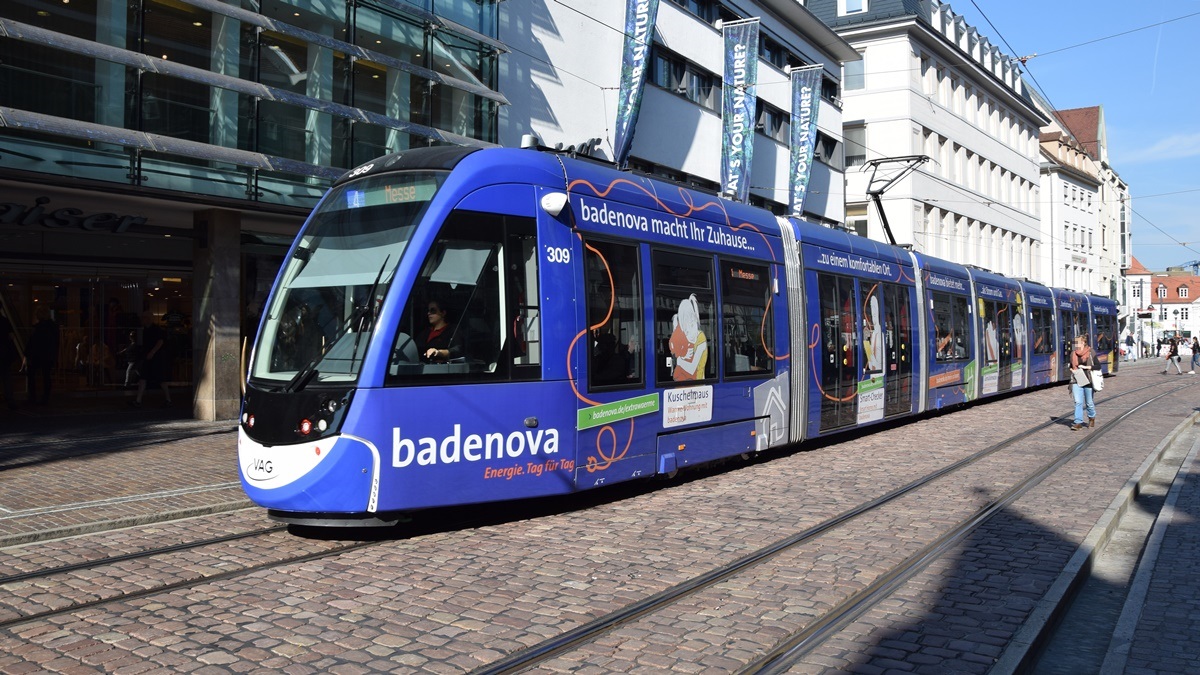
x,y
1136,267
1084,125
1173,284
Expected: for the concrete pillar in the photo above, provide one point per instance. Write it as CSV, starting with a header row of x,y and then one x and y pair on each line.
x,y
216,288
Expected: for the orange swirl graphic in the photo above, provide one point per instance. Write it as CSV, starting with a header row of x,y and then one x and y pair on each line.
x,y
608,458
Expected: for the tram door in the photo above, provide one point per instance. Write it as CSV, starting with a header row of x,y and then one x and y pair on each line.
x,y
1004,328
898,353
1071,324
839,351
997,340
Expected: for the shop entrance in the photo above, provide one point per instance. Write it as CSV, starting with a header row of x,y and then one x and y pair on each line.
x,y
100,319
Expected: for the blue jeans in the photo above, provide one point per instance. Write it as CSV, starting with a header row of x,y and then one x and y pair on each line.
x,y
1083,397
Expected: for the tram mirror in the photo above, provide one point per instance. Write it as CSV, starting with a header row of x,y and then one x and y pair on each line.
x,y
553,203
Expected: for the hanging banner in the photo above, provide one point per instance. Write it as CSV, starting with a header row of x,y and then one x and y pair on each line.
x,y
806,91
739,95
640,16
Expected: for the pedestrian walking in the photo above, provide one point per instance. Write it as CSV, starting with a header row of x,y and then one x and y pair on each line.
x,y
10,351
1172,349
1195,355
1082,361
155,362
42,356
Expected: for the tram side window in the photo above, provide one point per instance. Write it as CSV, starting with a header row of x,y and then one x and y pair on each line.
x,y
683,317
472,314
749,330
1043,331
1106,329
1072,326
997,331
950,326
614,308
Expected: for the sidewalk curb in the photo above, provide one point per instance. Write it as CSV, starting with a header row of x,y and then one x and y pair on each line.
x,y
1016,655
1131,613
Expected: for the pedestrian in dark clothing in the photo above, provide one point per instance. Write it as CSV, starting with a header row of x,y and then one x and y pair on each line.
x,y
1172,356
10,351
43,356
155,360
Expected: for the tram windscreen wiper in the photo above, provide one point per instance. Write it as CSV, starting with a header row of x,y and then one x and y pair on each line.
x,y
303,376
366,315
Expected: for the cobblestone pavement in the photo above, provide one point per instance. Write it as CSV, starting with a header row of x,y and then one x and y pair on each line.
x,y
430,600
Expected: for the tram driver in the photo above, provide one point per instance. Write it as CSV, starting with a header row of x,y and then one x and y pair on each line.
x,y
440,342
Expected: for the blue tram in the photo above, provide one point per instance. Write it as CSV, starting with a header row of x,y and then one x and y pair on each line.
x,y
457,325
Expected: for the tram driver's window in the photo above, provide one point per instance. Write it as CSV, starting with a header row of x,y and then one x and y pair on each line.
x,y
748,329
684,318
463,321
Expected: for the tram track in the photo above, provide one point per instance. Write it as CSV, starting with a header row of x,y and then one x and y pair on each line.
x,y
532,656
136,555
800,642
92,566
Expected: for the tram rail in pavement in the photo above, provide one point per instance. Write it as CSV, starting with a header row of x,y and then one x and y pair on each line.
x,y
77,467
74,473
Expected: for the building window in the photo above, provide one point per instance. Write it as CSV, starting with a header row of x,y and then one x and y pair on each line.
x,y
851,7
675,74
772,122
856,146
1136,291
776,54
828,151
854,75
829,90
1183,291
1162,291
707,10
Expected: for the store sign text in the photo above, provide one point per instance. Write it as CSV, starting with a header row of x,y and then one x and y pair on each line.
x,y
20,214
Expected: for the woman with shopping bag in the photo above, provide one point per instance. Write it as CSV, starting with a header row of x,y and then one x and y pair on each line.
x,y
1081,383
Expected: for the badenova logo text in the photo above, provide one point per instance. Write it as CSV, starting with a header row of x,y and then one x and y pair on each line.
x,y
471,448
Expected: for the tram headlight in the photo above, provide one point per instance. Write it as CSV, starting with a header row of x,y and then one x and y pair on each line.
x,y
306,427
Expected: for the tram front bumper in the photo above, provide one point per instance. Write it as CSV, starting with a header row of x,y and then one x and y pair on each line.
x,y
337,474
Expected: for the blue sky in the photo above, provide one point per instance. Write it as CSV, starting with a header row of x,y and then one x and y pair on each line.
x,y
1148,82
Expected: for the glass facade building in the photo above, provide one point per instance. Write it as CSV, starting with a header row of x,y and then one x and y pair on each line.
x,y
139,137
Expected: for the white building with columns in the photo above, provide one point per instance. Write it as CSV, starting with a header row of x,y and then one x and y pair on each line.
x,y
930,84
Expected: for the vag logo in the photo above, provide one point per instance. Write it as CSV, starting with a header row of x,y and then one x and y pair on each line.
x,y
259,469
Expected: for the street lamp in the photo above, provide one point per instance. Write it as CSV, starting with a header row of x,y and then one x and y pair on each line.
x,y
1176,313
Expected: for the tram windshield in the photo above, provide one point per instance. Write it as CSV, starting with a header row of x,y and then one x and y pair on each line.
x,y
323,312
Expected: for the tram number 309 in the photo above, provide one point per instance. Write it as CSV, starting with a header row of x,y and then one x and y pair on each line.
x,y
558,254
